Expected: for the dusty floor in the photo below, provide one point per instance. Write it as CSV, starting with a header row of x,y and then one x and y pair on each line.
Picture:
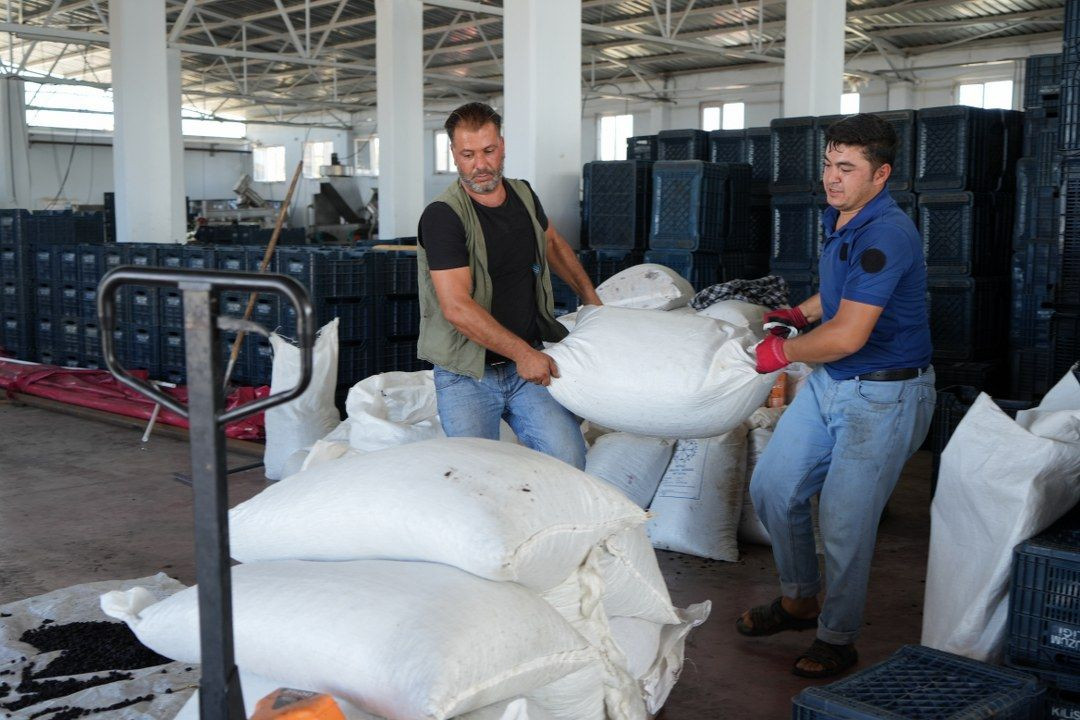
x,y
82,501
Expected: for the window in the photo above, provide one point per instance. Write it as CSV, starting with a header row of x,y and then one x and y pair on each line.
x,y
69,106
366,155
849,103
725,116
444,159
316,154
614,130
193,124
269,164
994,94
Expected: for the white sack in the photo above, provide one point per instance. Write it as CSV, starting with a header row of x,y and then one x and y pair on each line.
x,y
299,423
632,463
397,639
495,509
330,447
696,509
646,287
639,641
738,313
1000,483
658,374
633,584
662,676
392,408
751,529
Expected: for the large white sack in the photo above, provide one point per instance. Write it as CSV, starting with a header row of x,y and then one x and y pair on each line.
x,y
639,641
646,287
658,374
299,423
392,408
632,463
495,509
751,529
696,509
633,584
398,639
1000,483
738,313
662,676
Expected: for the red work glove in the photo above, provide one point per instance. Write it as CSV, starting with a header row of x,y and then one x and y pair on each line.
x,y
788,316
770,354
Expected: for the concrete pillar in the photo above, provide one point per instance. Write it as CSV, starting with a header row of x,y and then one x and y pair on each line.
x,y
14,146
148,143
400,97
901,95
542,89
660,116
814,57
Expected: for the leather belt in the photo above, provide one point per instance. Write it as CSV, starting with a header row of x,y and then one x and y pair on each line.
x,y
895,374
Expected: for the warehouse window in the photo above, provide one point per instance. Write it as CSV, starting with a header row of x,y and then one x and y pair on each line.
x,y
613,132
723,116
269,163
444,159
849,103
994,94
316,154
366,155
68,106
193,123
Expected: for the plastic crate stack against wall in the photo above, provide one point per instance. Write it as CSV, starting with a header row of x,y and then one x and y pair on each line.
x,y
1065,323
794,178
402,324
1044,614
17,300
700,209
928,684
752,147
965,164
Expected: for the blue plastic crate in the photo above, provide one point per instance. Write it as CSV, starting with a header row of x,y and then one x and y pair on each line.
x,y
68,336
267,310
358,360
602,264
1035,270
172,308
699,206
14,263
966,315
795,167
743,265
13,226
143,254
143,303
620,202
908,203
641,147
1069,126
1012,139
45,332
1061,705
1041,130
171,256
402,316
1042,80
801,286
397,270
45,299
759,235
1030,373
14,299
962,234
959,148
759,155
821,124
702,269
69,300
198,257
16,336
953,402
728,146
96,260
233,259
41,258
144,347
682,145
919,682
312,267
794,233
400,354
358,318
90,347
902,176
260,362
1067,292
564,298
984,376
66,268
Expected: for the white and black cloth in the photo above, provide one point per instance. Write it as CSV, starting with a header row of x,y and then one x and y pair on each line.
x,y
770,291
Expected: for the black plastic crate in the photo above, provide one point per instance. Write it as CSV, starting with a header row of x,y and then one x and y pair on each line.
x,y
13,226
402,316
920,682
564,298
1041,133
364,273
743,265
1035,270
682,145
953,402
358,360
260,362
358,318
1068,290
143,254
171,256
1023,213
959,148
66,269
962,234
143,303
69,301
68,336
759,237
794,233
801,286
399,271
1042,80
96,260
267,310
1031,373
620,203
728,146
42,265
1061,705
198,257
794,165
966,316
988,377
602,264
172,308
45,302
902,176
1069,126
88,303
17,336
698,206
15,299
400,354
14,263
641,147
45,332
90,347
234,259
173,355
144,347
821,124
702,269
759,155
1012,138
312,267
1065,337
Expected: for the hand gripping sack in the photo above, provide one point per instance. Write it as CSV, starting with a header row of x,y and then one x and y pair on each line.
x,y
632,463
396,639
300,422
498,510
658,374
647,287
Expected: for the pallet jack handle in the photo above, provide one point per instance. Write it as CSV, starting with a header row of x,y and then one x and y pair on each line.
x,y
219,687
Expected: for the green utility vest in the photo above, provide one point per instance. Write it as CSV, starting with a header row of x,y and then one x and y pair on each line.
x,y
440,342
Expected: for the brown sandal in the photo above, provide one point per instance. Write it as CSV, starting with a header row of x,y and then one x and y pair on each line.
x,y
833,659
771,619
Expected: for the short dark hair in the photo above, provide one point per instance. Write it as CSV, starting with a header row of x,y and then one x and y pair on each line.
x,y
473,116
875,136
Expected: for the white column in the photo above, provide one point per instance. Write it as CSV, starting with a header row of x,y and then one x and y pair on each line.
x,y
400,97
814,57
148,145
542,89
660,115
14,146
901,95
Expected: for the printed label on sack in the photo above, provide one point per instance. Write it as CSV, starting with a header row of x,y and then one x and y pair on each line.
x,y
1066,637
683,478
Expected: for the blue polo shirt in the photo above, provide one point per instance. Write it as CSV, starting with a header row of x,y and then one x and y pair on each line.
x,y
877,259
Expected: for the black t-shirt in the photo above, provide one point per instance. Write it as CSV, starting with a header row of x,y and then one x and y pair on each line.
x,y
511,255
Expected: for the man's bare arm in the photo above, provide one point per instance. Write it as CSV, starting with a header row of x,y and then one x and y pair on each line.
x,y
844,335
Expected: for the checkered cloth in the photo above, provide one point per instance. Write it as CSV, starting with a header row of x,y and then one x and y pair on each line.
x,y
770,291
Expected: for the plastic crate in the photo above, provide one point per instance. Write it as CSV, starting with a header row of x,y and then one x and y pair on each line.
x,y
759,236
233,259
641,147
759,155
1030,373
728,146
1035,270
702,269
961,235
400,355
96,260
44,299
267,310
1061,705
68,336
358,360
966,316
953,402
143,305
260,362
986,376
698,206
1069,126
66,269
16,336
358,318
743,265
364,273
821,124
68,300
1068,288
920,682
902,176
602,264
144,347
198,257
794,165
402,316
682,145
90,347
88,309
794,233
958,148
564,298
45,332
142,254
171,256
620,203
1042,80
1065,339
801,286
312,267
172,308
1041,137
13,226
16,299
907,202
1012,138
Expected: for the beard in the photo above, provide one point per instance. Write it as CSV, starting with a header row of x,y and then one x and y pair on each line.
x,y
483,188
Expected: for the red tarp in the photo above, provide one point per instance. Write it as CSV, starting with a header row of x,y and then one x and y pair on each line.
x,y
98,389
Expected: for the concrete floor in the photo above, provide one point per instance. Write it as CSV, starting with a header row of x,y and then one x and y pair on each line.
x,y
82,501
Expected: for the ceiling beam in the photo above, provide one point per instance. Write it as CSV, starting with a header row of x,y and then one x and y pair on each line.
x,y
680,44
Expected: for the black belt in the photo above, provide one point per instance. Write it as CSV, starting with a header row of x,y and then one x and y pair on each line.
x,y
896,374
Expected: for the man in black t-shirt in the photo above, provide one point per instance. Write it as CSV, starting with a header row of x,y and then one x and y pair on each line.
x,y
485,248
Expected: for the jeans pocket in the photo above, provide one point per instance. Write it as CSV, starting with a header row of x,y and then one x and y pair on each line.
x,y
445,378
883,392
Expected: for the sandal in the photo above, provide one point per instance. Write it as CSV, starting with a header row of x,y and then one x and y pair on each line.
x,y
833,659
771,619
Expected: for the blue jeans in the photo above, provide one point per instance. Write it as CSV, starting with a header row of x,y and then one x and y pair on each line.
x,y
473,408
849,441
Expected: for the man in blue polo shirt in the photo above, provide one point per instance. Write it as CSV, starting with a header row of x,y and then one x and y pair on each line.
x,y
861,415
